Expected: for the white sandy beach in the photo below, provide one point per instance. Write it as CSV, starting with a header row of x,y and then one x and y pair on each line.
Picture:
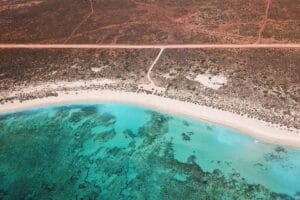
x,y
261,130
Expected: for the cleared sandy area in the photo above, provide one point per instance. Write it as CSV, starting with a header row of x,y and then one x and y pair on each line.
x,y
260,130
211,81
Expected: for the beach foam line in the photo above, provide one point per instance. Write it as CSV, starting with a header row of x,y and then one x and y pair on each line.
x,y
259,129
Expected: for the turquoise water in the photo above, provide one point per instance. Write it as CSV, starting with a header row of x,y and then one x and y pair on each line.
x,y
117,151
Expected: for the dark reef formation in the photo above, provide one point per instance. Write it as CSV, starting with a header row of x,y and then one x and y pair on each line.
x,y
73,152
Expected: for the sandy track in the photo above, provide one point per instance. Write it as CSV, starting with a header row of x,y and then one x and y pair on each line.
x,y
151,67
82,22
264,22
125,46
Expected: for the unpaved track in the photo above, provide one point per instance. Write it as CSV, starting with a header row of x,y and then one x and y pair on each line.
x,y
264,22
82,22
151,67
125,46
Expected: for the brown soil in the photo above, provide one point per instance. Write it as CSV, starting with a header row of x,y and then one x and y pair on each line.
x,y
148,22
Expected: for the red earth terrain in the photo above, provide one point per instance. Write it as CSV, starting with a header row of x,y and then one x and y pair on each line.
x,y
150,22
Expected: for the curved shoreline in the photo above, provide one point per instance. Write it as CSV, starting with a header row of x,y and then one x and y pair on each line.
x,y
258,129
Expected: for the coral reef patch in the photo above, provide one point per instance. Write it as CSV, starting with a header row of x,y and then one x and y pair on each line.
x,y
96,152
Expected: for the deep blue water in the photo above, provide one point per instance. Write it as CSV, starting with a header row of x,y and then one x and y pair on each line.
x,y
117,151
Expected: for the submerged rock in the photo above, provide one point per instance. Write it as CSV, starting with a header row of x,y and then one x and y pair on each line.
x,y
89,110
76,117
105,136
185,137
106,119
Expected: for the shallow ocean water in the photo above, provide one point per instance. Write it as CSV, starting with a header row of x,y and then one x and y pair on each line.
x,y
118,151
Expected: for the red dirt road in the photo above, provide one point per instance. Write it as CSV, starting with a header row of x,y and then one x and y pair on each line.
x,y
125,46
